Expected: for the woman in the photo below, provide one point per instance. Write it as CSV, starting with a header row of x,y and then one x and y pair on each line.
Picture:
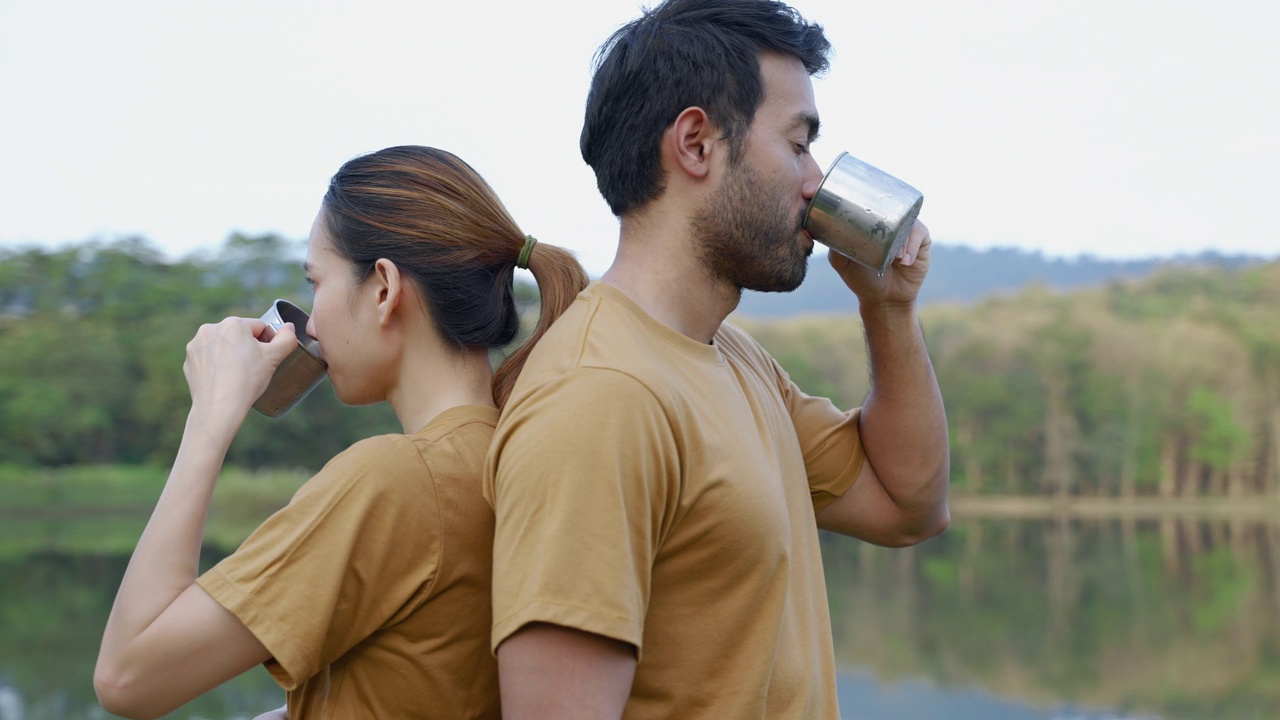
x,y
368,595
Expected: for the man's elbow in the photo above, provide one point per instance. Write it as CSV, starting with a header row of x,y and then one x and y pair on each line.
x,y
933,518
923,527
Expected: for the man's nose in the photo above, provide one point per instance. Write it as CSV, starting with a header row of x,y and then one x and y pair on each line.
x,y
812,177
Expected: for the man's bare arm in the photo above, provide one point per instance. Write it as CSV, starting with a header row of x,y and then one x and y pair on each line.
x,y
900,497
550,672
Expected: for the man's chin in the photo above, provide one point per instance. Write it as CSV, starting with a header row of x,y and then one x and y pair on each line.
x,y
779,284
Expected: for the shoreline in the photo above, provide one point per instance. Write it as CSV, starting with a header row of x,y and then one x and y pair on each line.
x,y
1024,507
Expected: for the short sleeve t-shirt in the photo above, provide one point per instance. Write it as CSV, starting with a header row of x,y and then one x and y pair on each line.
x,y
371,588
663,492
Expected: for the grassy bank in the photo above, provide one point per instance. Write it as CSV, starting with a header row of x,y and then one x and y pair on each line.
x,y
103,509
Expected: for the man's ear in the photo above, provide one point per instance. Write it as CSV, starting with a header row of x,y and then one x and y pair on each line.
x,y
387,288
689,142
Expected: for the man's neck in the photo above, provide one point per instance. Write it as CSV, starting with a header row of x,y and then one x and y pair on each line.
x,y
658,269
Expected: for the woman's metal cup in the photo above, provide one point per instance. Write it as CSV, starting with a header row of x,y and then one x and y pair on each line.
x,y
300,372
862,212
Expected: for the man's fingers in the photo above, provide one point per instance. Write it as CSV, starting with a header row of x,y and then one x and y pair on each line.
x,y
911,249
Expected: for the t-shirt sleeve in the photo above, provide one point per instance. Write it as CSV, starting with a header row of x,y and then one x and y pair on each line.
x,y
829,441
583,475
354,550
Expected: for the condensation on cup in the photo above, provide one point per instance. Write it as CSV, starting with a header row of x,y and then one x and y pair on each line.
x,y
863,212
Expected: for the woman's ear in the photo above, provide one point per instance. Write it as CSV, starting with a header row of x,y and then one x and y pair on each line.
x,y
388,289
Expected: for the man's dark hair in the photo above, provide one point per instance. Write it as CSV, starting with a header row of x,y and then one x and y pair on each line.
x,y
683,53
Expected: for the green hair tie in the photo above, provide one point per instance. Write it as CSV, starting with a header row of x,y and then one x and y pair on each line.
x,y
523,260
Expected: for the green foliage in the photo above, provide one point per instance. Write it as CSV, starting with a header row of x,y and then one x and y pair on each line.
x,y
1170,385
92,341
1166,385
1220,440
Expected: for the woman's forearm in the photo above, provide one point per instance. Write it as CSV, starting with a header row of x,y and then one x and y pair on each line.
x,y
166,560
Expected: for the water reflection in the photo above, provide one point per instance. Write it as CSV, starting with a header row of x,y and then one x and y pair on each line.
x,y
53,606
1174,618
1059,619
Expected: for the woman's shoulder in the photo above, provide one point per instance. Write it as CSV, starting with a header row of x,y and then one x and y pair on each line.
x,y
384,452
374,465
454,442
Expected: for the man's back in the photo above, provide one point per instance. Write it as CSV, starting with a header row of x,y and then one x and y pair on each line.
x,y
652,489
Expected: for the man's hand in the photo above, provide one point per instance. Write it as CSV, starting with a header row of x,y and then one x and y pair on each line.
x,y
901,281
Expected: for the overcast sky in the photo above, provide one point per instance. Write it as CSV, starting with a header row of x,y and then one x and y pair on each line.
x,y
1111,127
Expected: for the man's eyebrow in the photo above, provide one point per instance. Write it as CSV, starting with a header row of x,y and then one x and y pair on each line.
x,y
810,120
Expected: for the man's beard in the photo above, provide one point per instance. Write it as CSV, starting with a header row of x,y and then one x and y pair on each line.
x,y
746,236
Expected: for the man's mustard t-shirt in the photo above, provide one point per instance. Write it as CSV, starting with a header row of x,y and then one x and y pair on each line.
x,y
662,492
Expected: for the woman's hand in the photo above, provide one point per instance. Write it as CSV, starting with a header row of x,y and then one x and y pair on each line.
x,y
167,640
229,365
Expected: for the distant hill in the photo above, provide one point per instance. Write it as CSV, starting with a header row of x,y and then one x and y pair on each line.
x,y
961,274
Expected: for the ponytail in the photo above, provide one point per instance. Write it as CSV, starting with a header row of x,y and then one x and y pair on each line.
x,y
560,278
431,214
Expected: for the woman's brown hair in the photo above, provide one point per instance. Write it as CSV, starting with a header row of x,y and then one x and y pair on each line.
x,y
432,215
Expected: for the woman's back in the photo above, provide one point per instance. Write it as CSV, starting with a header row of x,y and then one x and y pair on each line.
x,y
369,594
371,588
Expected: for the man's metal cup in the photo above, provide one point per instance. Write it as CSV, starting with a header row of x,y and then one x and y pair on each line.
x,y
862,212
300,372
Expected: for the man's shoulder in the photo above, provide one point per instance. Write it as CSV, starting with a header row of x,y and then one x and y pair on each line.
x,y
738,345
595,333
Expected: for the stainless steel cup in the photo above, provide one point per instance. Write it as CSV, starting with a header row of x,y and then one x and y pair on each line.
x,y
300,372
862,212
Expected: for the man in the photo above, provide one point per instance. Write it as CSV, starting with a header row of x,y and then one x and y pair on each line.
x,y
658,480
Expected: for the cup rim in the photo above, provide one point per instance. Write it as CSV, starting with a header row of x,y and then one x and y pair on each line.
x,y
305,341
818,192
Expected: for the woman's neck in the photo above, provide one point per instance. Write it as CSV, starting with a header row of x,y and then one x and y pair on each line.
x,y
426,389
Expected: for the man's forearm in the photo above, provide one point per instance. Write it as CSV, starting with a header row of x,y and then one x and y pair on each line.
x,y
903,424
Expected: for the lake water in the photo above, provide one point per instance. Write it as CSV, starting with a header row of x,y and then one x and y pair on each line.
x,y
1057,619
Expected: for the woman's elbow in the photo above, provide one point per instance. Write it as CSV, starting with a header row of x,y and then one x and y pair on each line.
x,y
119,696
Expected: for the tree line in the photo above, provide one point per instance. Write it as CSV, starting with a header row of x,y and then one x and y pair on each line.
x,y
1164,386
92,341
